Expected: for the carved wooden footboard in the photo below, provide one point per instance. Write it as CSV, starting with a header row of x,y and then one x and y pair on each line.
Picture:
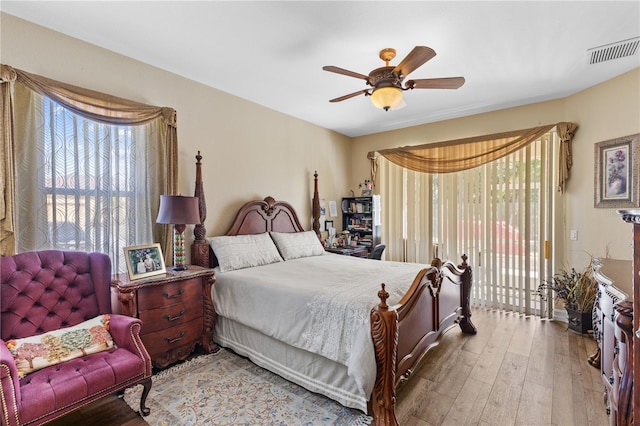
x,y
437,299
403,333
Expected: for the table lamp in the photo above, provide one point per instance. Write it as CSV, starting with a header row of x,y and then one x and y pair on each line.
x,y
179,211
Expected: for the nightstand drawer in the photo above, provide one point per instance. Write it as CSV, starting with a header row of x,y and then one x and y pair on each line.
x,y
163,341
169,294
171,315
175,308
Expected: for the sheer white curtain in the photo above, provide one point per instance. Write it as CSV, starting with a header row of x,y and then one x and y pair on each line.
x,y
499,214
81,184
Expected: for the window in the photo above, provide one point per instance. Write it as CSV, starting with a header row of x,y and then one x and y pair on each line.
x,y
89,168
499,214
81,184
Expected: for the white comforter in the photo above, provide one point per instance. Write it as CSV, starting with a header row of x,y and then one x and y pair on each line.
x,y
320,304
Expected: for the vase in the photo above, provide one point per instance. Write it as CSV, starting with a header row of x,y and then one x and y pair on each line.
x,y
579,321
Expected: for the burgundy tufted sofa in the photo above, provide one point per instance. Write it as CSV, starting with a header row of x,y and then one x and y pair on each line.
x,y
47,290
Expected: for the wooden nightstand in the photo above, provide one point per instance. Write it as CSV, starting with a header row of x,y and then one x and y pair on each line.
x,y
175,308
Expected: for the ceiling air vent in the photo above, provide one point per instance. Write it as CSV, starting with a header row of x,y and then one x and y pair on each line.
x,y
608,52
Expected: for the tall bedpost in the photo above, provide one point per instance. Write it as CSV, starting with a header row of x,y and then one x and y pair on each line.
x,y
200,247
316,206
384,331
465,298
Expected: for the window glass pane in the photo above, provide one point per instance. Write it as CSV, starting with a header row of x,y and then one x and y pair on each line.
x,y
90,180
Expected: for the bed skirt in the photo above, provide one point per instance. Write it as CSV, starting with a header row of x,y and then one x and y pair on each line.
x,y
313,372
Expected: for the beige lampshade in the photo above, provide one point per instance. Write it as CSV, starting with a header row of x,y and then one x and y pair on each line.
x,y
177,209
386,97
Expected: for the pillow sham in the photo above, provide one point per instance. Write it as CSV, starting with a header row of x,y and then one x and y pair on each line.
x,y
294,245
244,251
57,346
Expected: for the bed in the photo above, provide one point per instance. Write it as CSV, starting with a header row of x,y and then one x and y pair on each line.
x,y
354,338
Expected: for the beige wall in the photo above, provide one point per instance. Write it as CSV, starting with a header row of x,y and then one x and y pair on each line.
x,y
250,151
606,111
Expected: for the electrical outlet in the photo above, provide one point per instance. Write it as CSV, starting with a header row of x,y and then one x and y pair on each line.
x,y
573,234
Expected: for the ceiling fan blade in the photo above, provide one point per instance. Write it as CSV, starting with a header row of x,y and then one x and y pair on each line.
x,y
418,56
350,95
436,83
342,71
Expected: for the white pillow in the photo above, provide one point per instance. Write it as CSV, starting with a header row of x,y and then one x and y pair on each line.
x,y
244,251
294,245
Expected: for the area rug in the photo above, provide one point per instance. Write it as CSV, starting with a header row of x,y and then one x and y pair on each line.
x,y
226,389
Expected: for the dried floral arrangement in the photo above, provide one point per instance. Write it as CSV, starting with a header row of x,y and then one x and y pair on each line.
x,y
577,289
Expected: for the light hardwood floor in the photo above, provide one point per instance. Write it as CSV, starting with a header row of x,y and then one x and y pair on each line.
x,y
516,371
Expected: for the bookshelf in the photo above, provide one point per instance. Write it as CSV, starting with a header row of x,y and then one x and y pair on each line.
x,y
359,218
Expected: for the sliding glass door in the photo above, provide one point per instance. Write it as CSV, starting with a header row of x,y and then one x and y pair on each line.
x,y
500,215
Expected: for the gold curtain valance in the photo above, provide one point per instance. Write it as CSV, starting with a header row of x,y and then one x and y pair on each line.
x,y
463,154
7,74
90,104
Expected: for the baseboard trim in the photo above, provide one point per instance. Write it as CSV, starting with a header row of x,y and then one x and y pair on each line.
x,y
561,315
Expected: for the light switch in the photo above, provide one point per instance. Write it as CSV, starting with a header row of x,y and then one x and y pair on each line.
x,y
573,234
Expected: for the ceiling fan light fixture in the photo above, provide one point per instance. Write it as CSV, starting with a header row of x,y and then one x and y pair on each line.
x,y
385,83
386,97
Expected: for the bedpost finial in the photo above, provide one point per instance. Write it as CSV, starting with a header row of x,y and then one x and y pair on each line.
x,y
198,157
383,295
464,260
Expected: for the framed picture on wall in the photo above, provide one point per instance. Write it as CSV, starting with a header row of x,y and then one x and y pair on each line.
x,y
144,261
617,174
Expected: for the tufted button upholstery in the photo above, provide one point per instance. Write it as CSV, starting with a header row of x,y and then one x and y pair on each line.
x,y
48,288
51,289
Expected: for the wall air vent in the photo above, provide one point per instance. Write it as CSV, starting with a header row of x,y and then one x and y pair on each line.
x,y
617,50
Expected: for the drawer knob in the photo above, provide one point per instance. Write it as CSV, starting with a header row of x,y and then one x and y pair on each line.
x,y
176,339
170,318
173,296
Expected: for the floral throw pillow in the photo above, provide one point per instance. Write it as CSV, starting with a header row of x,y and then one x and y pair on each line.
x,y
37,352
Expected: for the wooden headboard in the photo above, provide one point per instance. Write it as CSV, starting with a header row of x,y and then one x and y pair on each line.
x,y
259,216
254,217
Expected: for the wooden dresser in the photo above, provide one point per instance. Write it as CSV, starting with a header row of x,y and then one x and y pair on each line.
x,y
630,326
614,286
176,310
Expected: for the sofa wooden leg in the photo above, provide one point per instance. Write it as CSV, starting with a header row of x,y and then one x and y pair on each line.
x,y
143,399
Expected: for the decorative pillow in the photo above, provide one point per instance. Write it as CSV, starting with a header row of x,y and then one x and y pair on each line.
x,y
244,251
294,245
37,352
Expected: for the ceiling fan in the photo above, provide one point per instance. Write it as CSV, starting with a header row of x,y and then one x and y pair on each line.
x,y
386,82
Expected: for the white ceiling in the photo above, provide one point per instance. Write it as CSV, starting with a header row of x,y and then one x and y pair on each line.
x,y
510,52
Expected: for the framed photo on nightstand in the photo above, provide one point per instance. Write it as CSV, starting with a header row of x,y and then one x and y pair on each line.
x,y
144,261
